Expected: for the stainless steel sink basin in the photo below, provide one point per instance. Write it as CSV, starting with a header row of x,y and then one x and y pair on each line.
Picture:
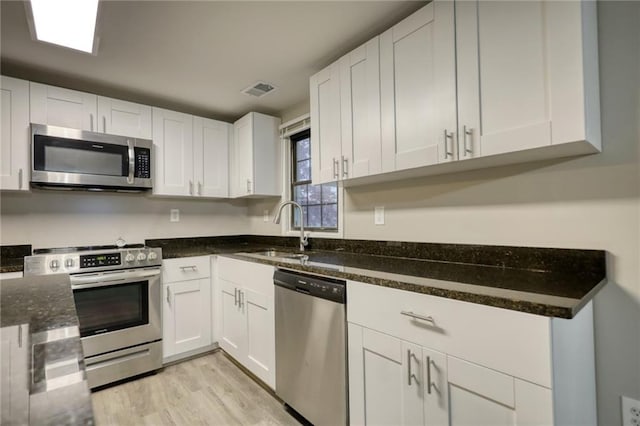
x,y
281,254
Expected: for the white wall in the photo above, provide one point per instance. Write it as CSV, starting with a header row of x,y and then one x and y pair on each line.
x,y
59,219
589,202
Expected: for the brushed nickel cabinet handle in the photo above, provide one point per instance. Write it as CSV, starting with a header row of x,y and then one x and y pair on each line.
x,y
248,186
448,136
199,188
190,187
104,123
413,315
19,178
466,132
429,375
192,267
168,296
91,121
235,296
345,167
335,168
410,375
20,336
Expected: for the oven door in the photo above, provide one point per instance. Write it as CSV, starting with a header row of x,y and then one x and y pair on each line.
x,y
117,309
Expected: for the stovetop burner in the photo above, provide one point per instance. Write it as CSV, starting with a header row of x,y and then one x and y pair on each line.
x,y
85,248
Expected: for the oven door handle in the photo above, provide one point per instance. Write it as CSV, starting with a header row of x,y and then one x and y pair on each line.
x,y
102,280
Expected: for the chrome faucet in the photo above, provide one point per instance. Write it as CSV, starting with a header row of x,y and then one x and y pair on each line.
x,y
276,219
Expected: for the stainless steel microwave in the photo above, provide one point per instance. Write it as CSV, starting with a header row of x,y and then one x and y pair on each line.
x,y
64,158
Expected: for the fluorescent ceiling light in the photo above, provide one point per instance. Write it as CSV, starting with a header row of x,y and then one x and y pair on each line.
x,y
69,23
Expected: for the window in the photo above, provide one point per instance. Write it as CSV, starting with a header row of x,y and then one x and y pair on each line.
x,y
319,202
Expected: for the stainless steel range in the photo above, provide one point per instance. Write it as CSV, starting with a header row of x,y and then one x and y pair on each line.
x,y
117,292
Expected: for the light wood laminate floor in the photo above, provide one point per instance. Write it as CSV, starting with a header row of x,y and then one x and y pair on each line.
x,y
209,390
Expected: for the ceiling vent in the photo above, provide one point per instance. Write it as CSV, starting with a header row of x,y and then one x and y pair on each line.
x,y
259,89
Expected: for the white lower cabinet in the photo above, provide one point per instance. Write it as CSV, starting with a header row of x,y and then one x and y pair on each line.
x,y
406,370
186,306
246,315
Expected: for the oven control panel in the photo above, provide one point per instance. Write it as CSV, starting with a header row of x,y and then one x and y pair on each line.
x,y
98,260
95,261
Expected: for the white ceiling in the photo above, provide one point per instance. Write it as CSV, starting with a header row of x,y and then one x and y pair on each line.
x,y
196,56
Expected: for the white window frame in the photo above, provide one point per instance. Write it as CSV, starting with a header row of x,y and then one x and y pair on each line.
x,y
288,129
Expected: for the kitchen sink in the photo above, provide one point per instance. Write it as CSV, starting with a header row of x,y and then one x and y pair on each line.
x,y
281,254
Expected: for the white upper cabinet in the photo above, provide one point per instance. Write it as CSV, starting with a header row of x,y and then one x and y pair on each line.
x,y
191,155
508,81
255,156
326,144
14,134
345,116
360,110
211,141
418,89
56,106
124,118
173,148
527,75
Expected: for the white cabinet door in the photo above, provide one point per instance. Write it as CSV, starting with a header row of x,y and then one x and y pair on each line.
x,y
232,321
186,316
360,109
385,379
173,143
326,142
14,134
243,156
56,106
124,118
14,374
520,75
418,92
481,396
260,357
256,156
211,157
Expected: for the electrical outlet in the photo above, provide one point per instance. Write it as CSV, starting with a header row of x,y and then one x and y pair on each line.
x,y
175,215
265,215
630,412
378,215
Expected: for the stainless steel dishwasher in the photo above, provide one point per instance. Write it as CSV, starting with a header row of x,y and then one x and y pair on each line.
x,y
311,355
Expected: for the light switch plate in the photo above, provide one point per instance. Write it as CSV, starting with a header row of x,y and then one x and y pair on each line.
x,y
175,215
378,215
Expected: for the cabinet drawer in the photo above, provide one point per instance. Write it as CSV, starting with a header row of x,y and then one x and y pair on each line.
x,y
250,275
185,268
513,342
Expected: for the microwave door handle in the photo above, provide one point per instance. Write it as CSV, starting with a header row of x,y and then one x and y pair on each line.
x,y
132,162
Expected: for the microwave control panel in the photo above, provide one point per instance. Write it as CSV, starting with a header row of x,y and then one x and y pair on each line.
x,y
143,163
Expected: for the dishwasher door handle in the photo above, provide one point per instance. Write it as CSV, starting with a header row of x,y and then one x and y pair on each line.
x,y
302,290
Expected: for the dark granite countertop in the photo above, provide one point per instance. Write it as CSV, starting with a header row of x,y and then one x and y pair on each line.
x,y
542,281
41,311
12,257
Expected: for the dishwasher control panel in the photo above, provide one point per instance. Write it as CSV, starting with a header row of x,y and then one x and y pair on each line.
x,y
317,286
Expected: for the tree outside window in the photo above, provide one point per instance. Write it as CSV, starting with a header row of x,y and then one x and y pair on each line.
x,y
319,202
